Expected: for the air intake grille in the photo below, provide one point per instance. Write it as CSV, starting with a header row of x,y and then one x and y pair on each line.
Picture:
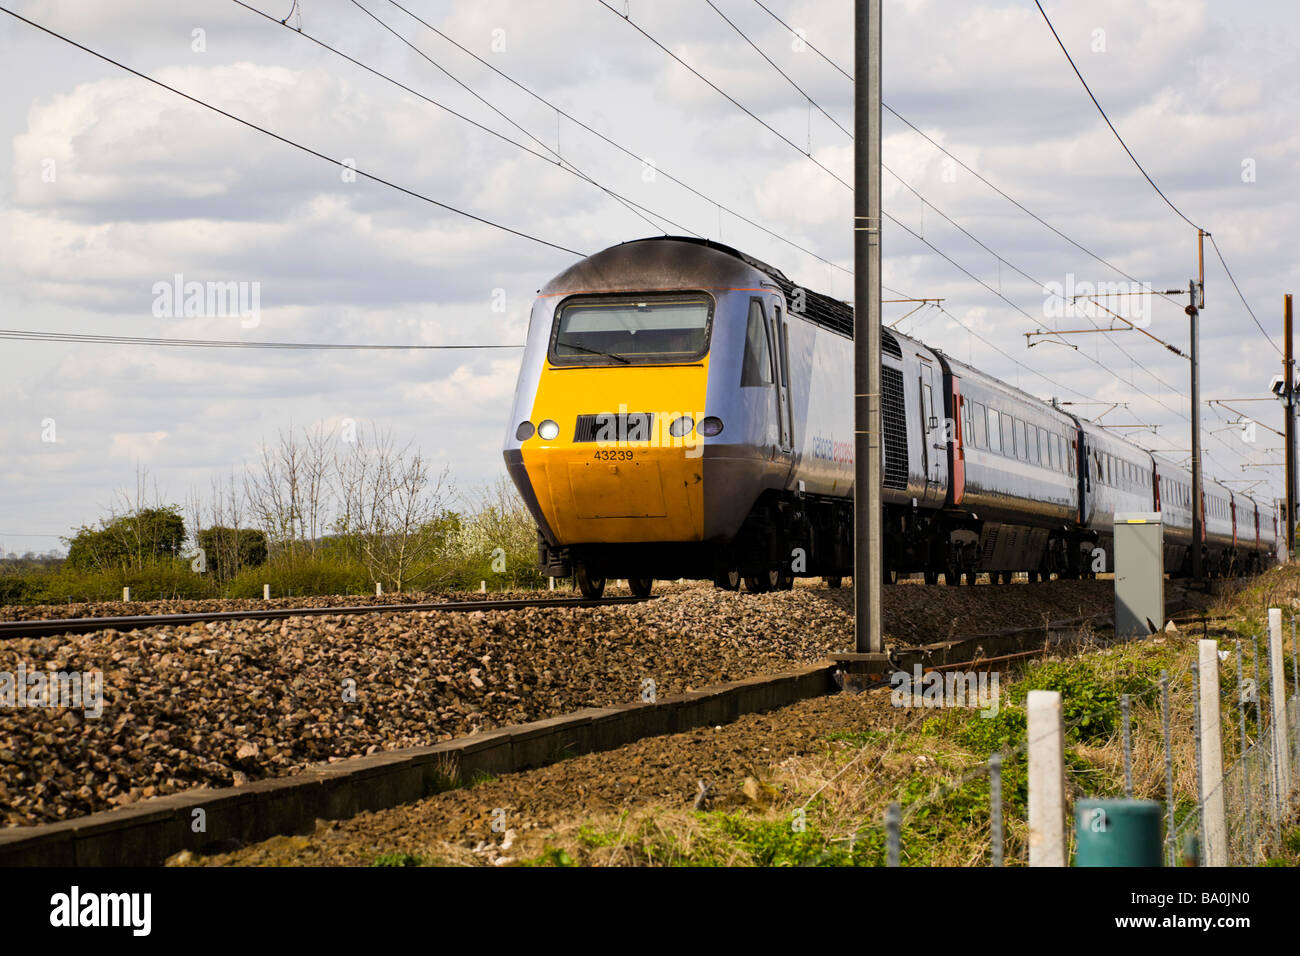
x,y
894,418
608,426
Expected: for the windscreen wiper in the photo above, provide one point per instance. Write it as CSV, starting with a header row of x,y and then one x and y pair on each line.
x,y
575,345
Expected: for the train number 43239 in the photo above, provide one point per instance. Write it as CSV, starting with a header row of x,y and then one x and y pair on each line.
x,y
613,454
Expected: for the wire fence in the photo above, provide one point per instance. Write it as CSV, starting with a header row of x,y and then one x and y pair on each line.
x,y
1163,758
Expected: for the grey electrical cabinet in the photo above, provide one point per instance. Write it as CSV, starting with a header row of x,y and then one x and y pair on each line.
x,y
1139,574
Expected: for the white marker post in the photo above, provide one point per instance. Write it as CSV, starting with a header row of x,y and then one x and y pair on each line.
x,y
1276,667
1215,837
266,592
482,587
551,586
379,589
126,594
1046,779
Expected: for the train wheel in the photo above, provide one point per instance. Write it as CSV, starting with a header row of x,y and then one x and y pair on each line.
x,y
931,577
640,587
784,581
591,586
759,584
1032,576
728,580
971,576
834,582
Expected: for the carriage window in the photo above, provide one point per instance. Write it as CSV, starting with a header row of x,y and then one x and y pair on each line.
x,y
1033,445
1008,436
967,431
757,367
1044,453
980,416
995,431
1053,452
1022,445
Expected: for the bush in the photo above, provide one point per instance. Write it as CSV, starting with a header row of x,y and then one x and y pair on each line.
x,y
325,574
133,540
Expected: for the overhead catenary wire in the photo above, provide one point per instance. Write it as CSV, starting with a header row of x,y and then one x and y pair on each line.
x,y
659,170
966,232
98,339
568,168
1147,176
1011,199
289,142
729,98
1001,259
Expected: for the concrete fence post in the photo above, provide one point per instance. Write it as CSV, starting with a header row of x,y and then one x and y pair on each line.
x,y
126,594
1046,779
1281,726
379,589
482,587
1215,835
266,592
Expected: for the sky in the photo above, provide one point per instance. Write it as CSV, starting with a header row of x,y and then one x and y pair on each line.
x,y
111,188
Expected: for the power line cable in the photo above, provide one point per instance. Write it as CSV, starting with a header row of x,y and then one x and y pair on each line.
x,y
1147,176
1241,295
1100,110
616,145
729,98
92,338
975,239
289,142
447,109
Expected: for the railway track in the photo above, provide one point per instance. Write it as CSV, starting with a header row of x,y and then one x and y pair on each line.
x,y
10,630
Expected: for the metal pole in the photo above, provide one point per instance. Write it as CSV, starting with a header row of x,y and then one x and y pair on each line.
x,y
1200,778
995,807
1261,746
1169,765
893,833
1128,747
1198,530
868,553
1244,759
1288,402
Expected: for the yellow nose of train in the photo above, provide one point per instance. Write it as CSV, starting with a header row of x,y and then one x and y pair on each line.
x,y
624,462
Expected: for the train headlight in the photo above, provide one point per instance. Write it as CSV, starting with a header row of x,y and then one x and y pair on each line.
x,y
710,426
681,426
548,430
524,431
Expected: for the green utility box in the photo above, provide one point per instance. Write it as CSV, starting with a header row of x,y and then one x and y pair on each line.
x,y
1117,833
1139,574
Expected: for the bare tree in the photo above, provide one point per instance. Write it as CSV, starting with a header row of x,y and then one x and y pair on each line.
x,y
390,502
288,490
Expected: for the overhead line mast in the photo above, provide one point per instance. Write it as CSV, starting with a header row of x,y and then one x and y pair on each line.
x,y
868,563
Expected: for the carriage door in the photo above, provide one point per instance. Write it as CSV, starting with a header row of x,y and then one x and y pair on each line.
x,y
780,348
933,447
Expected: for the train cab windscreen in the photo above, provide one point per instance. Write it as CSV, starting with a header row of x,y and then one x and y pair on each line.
x,y
627,330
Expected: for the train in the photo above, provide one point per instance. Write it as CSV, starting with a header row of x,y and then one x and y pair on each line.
x,y
684,410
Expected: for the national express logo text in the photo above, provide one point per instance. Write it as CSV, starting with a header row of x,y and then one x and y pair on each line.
x,y
837,452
